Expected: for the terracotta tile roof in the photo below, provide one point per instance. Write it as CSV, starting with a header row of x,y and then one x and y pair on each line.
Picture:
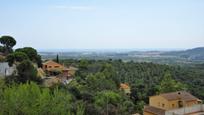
x,y
124,86
180,95
50,62
154,110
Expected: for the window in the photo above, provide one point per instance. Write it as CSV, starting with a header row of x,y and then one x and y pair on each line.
x,y
173,105
56,66
163,105
180,104
50,66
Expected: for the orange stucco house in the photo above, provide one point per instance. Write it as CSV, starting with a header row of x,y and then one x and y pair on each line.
x,y
169,101
50,66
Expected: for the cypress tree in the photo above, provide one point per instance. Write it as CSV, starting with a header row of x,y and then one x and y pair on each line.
x,y
57,58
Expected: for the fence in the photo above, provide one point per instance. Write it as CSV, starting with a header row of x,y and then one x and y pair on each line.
x,y
186,110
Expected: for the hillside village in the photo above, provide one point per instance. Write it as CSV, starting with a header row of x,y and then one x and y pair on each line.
x,y
49,72
24,65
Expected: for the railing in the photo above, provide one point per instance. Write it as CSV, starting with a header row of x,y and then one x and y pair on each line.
x,y
186,110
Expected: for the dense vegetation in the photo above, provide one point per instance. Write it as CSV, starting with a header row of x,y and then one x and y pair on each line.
x,y
95,89
145,79
31,99
25,60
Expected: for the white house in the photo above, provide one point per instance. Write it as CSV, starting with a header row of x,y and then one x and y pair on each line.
x,y
5,70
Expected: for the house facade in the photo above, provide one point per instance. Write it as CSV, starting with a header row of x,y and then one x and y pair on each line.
x,y
159,104
6,70
51,65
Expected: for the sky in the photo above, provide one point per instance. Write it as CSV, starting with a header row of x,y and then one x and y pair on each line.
x,y
104,24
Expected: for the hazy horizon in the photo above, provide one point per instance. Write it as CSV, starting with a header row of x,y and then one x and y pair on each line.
x,y
104,24
110,50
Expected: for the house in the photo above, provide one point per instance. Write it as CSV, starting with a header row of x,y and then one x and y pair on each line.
x,y
160,104
56,68
50,65
6,70
125,87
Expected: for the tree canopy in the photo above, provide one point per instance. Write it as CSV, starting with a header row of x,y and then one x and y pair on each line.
x,y
26,72
31,99
168,84
8,42
26,53
30,52
16,57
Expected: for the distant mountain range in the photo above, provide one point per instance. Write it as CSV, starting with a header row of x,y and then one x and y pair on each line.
x,y
191,54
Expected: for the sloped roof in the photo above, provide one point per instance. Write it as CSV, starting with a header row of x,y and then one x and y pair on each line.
x,y
179,95
50,62
154,110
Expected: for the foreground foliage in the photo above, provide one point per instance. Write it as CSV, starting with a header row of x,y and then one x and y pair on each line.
x,y
30,99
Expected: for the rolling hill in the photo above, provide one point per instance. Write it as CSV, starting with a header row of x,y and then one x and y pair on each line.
x,y
191,54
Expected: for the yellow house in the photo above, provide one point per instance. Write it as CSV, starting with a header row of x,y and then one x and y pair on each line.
x,y
160,103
